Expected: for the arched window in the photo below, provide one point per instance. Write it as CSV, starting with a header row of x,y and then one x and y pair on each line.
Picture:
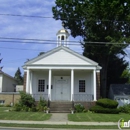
x,y
62,37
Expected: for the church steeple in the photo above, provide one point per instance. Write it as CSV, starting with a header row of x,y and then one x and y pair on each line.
x,y
62,37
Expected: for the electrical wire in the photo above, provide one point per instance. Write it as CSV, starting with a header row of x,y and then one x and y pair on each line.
x,y
50,17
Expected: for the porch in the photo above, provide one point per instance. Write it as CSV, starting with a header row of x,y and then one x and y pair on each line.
x,y
62,84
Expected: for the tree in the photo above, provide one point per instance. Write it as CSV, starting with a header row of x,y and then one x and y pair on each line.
x,y
104,26
0,62
18,77
115,72
126,74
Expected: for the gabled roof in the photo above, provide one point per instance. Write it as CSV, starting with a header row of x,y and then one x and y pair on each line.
x,y
61,56
120,89
2,73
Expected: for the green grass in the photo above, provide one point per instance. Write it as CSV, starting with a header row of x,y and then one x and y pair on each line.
x,y
58,126
28,116
96,117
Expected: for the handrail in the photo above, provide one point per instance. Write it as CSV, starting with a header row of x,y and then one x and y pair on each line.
x,y
83,97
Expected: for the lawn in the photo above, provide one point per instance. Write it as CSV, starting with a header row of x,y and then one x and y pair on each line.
x,y
12,115
96,117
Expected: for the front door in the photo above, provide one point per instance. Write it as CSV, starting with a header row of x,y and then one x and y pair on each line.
x,y
61,88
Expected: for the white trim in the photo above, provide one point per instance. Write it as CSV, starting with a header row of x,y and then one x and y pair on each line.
x,y
85,86
57,49
44,85
63,67
49,84
27,81
72,84
94,85
31,82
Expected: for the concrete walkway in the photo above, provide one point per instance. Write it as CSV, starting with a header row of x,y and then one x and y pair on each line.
x,y
58,119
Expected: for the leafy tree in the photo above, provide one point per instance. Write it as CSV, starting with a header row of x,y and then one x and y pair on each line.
x,y
115,72
126,74
18,77
100,23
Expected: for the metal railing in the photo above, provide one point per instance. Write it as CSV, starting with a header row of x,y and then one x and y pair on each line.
x,y
37,96
83,97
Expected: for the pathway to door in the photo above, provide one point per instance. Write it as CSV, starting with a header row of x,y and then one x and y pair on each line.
x,y
59,117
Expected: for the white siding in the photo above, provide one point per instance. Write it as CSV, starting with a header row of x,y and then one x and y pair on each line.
x,y
36,76
8,84
83,75
62,57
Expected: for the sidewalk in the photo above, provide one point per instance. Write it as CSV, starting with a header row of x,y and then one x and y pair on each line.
x,y
58,119
58,122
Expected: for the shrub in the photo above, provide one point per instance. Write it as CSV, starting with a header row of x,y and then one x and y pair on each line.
x,y
26,103
41,104
100,109
107,103
79,107
125,108
17,107
26,100
33,109
1,105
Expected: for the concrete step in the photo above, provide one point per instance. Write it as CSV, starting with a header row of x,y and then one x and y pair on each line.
x,y
60,107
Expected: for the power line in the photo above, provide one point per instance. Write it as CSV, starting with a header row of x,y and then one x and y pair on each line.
x,y
20,49
51,42
42,41
12,38
18,15
62,18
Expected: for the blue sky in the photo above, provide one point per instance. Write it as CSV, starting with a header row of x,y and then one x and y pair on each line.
x,y
14,54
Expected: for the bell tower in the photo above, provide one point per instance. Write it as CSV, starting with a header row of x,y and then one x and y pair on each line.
x,y
62,37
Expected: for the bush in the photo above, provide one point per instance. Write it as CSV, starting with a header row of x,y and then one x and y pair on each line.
x,y
79,107
26,100
1,105
125,108
33,109
107,103
26,103
100,109
41,104
17,107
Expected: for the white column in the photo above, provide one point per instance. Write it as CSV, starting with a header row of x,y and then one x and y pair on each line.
x,y
49,85
31,83
94,85
72,84
28,81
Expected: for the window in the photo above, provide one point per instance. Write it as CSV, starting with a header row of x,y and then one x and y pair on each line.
x,y
81,85
62,37
41,85
2,102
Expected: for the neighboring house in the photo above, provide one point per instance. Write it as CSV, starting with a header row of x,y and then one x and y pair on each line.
x,y
7,83
62,74
7,89
120,93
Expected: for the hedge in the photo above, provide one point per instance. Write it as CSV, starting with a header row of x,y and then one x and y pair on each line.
x,y
100,109
107,103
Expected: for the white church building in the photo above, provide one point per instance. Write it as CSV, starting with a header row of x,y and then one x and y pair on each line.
x,y
62,74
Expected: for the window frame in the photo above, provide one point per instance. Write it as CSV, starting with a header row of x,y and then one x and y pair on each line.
x,y
41,84
81,90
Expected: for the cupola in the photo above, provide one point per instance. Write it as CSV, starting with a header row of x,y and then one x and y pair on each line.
x,y
62,37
